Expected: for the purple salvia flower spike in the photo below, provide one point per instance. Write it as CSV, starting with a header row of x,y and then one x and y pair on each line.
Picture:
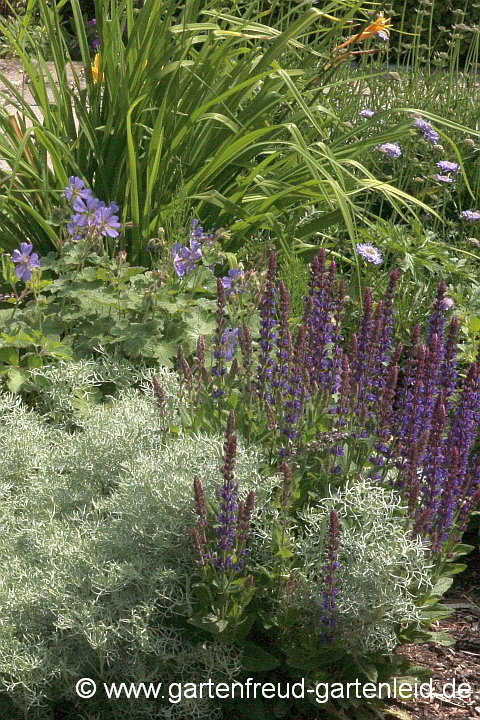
x,y
218,345
266,364
330,578
200,501
434,472
449,368
227,516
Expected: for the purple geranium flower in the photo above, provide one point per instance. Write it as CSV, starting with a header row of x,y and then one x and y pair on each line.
x,y
185,259
85,216
76,189
180,255
90,206
391,149
229,284
366,113
198,233
92,22
96,43
106,222
25,260
369,253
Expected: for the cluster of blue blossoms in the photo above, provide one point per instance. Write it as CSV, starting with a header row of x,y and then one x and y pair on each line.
x,y
428,132
91,218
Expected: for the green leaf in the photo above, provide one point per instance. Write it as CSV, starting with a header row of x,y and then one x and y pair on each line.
x,y
442,638
454,569
474,325
437,613
255,659
441,586
15,380
284,553
33,360
461,549
8,270
9,355
370,671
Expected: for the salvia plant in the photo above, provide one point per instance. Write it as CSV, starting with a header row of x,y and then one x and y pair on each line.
x,y
344,406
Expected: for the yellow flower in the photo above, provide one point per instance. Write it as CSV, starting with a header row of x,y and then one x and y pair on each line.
x,y
96,74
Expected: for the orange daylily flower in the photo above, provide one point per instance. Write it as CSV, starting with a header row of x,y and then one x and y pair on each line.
x,y
346,56
381,24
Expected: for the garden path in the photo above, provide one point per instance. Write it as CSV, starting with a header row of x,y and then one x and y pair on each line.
x,y
13,71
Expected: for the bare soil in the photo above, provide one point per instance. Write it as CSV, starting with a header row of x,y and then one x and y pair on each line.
x,y
461,661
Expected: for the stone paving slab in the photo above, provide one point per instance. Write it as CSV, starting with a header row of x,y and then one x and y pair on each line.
x,y
13,71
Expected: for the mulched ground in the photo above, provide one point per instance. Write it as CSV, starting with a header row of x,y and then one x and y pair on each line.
x,y
460,661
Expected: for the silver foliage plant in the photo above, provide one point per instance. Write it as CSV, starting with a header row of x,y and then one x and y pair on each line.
x,y
381,569
96,562
95,552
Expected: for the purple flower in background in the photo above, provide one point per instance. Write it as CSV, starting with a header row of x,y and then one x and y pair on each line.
x,y
369,253
428,132
470,215
92,22
25,260
96,43
366,113
185,259
391,149
76,189
446,304
227,516
447,166
432,136
444,178
229,343
229,284
106,221
197,232
422,125
382,35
